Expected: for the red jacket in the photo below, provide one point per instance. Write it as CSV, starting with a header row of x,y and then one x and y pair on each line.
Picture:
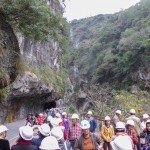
x,y
40,120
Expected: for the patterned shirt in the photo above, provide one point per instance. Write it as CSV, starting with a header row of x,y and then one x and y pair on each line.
x,y
74,132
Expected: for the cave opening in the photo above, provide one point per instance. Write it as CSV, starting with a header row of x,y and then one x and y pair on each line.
x,y
50,105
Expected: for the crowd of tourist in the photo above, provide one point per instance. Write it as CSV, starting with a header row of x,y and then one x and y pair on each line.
x,y
56,130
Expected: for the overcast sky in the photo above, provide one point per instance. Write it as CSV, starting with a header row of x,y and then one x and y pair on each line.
x,y
77,9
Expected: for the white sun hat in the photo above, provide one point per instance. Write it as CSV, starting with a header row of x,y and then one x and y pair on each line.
x,y
26,132
41,115
44,129
118,112
85,124
3,129
132,111
89,113
148,120
49,118
49,143
107,118
145,116
120,125
130,122
75,116
122,143
58,115
57,133
54,122
64,113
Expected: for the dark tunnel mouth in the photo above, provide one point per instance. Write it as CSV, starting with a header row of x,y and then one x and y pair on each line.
x,y
49,105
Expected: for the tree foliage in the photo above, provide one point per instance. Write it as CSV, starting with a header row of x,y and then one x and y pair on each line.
x,y
112,48
34,18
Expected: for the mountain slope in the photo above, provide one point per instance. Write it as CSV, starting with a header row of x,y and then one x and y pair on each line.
x,y
113,48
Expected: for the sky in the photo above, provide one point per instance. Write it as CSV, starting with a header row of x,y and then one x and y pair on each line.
x,y
77,9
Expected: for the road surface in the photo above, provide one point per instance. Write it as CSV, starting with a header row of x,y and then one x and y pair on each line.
x,y
13,132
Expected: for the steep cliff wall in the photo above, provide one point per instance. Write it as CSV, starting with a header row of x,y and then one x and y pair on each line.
x,y
30,71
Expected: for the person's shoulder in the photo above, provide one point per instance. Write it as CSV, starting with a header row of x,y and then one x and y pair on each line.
x,y
4,141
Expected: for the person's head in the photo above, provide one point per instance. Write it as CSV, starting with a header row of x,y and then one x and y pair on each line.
x,y
74,118
3,131
26,133
148,125
107,121
44,130
85,126
132,111
89,114
49,143
57,115
120,127
41,115
64,115
145,117
122,143
118,112
130,125
45,115
54,122
57,133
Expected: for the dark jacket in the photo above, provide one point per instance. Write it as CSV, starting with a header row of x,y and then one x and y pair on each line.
x,y
24,146
4,144
93,124
95,139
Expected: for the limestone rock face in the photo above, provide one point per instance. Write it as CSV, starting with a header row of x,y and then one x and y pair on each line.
x,y
38,54
29,86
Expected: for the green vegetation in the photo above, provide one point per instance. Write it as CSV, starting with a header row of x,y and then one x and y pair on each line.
x,y
4,92
35,19
71,109
113,48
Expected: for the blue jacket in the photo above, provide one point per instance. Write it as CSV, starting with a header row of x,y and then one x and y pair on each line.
x,y
93,124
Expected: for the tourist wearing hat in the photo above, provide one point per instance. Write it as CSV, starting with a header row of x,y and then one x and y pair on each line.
x,y
58,134
55,122
92,121
116,118
88,140
43,131
137,124
25,140
40,119
4,144
65,121
145,118
74,130
122,143
130,130
49,143
146,134
120,129
107,133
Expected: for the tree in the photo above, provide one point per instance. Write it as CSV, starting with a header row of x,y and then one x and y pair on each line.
x,y
99,96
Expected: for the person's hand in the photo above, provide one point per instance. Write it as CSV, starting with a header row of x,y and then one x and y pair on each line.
x,y
99,147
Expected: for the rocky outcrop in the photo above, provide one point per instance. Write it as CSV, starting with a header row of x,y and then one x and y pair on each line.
x,y
29,86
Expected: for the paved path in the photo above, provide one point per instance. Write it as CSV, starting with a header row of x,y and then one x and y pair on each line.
x,y
13,132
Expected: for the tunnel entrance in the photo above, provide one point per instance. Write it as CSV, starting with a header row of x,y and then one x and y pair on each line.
x,y
50,105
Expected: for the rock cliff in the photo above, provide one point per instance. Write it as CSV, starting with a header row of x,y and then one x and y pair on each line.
x,y
30,71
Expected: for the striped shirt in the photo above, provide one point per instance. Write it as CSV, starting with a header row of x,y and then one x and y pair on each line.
x,y
74,132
